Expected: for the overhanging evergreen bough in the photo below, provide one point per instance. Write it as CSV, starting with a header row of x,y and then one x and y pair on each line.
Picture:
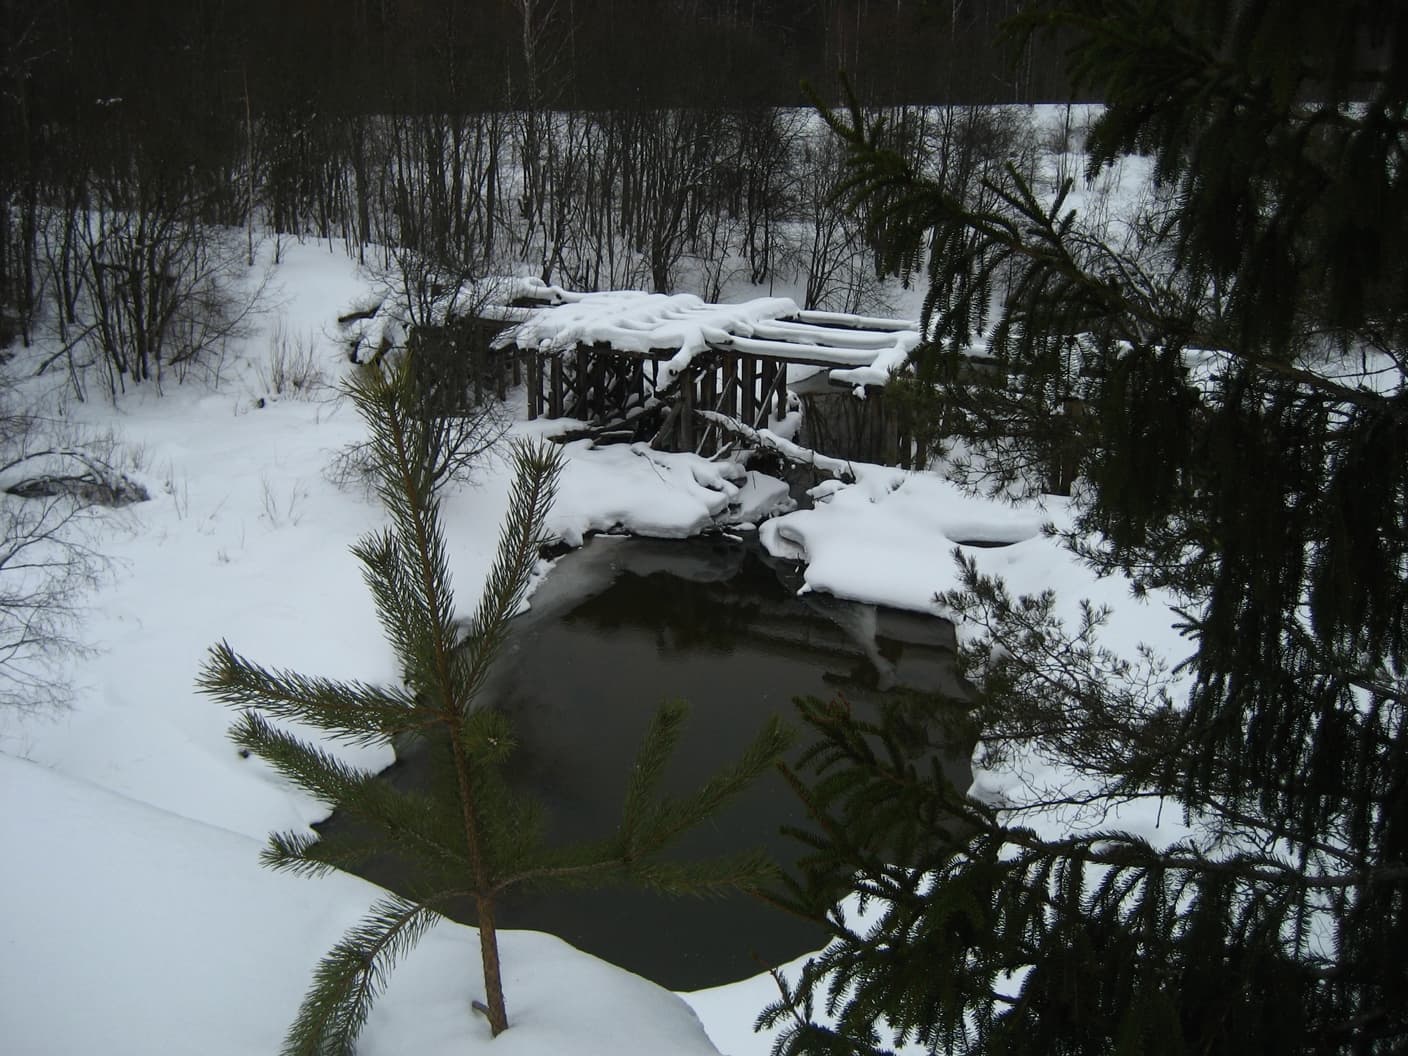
x,y
1265,495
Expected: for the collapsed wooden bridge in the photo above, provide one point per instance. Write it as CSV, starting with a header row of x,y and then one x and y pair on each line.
x,y
689,373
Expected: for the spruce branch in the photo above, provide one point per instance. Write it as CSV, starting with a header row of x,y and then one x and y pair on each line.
x,y
350,711
416,540
655,825
353,975
400,618
296,853
537,470
308,767
712,878
661,738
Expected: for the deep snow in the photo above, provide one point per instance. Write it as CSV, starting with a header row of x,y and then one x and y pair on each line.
x,y
134,916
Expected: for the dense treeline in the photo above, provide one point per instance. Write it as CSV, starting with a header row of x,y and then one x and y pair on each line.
x,y
379,55
624,143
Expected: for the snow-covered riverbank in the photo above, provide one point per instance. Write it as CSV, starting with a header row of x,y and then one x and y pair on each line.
x,y
134,915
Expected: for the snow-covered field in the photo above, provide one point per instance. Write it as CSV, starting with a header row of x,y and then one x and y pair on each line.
x,y
134,916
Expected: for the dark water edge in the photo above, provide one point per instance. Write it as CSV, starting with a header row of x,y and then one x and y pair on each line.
x,y
615,629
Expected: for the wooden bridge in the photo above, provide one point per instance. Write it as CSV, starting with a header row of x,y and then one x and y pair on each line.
x,y
679,371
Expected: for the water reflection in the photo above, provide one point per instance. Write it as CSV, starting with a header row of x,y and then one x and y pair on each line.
x,y
624,624
620,626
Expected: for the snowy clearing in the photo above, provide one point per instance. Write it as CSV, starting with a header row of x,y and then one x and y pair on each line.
x,y
133,826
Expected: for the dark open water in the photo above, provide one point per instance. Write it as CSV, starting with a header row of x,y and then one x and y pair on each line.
x,y
623,624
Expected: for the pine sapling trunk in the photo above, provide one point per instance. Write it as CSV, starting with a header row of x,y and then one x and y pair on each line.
x,y
494,1008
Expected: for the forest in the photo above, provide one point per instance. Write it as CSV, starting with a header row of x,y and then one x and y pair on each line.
x,y
1159,414
602,143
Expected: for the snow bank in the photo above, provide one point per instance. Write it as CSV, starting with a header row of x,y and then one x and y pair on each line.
x,y
132,826
656,493
889,539
132,930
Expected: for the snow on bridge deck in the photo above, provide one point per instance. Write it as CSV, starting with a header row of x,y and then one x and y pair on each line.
x,y
675,328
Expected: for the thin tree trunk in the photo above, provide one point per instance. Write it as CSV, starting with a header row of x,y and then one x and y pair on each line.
x,y
249,172
494,1009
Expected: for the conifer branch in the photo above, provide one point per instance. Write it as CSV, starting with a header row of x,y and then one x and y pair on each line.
x,y
296,853
353,975
667,818
351,711
422,579
310,768
661,738
401,620
1124,851
537,469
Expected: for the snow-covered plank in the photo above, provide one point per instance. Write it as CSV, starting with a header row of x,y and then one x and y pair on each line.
x,y
860,350
810,334
642,323
855,322
819,355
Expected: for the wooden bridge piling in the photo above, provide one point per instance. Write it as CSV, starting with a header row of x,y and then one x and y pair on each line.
x,y
555,389
742,374
748,366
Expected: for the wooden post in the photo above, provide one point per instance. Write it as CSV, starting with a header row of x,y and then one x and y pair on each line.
x,y
555,393
774,398
1066,461
583,385
687,410
621,383
750,390
597,394
708,397
535,386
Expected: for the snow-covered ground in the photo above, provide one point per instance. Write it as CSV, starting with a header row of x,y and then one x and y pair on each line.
x,y
134,916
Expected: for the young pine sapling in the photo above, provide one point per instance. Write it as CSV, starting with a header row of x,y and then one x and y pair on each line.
x,y
469,835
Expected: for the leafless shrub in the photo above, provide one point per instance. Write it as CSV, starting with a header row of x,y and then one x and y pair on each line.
x,y
292,368
50,491
149,290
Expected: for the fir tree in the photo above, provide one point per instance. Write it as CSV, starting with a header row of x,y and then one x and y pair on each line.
x,y
469,835
1241,375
